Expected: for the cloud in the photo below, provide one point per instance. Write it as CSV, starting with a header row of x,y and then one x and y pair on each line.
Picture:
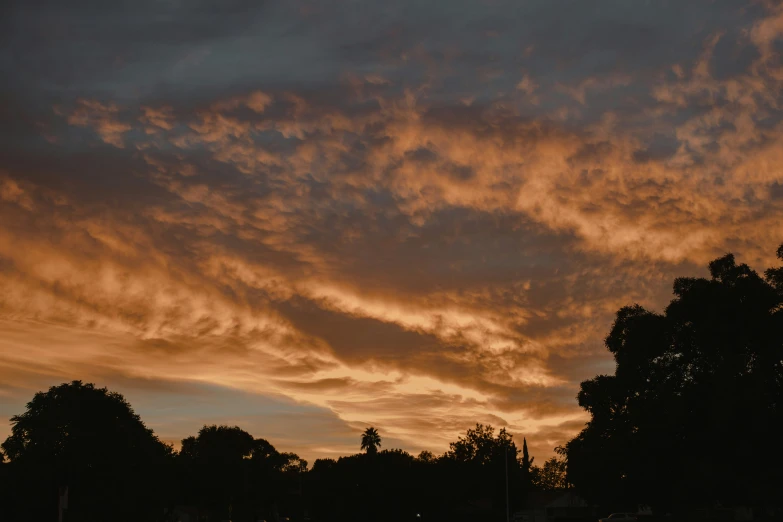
x,y
102,118
161,118
361,230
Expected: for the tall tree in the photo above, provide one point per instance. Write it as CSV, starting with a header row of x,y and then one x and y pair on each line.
x,y
90,440
705,378
526,466
527,462
476,464
215,461
371,441
226,469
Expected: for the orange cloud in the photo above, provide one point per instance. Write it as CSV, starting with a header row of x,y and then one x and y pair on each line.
x,y
102,118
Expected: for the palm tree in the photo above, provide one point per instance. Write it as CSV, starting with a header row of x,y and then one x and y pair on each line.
x,y
371,441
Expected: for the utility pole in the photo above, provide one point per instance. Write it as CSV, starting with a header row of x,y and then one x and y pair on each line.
x,y
507,508
62,504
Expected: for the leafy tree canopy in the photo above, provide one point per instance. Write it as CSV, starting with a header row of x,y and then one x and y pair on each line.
x,y
92,441
481,446
76,426
692,412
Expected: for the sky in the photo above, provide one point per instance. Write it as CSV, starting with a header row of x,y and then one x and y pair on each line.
x,y
309,217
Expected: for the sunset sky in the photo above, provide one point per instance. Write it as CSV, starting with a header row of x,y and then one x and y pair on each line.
x,y
308,217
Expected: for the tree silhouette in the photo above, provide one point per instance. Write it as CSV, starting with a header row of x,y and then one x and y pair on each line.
x,y
479,445
215,461
371,441
90,440
224,468
426,456
703,379
526,465
552,475
475,471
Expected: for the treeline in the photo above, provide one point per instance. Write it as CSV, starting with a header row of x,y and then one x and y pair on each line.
x,y
691,419
90,440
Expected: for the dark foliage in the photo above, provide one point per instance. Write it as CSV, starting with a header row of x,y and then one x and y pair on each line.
x,y
227,473
692,415
90,440
371,441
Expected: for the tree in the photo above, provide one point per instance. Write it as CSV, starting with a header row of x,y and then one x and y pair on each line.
x,y
476,466
215,474
220,445
293,463
552,475
225,468
371,441
426,456
691,414
479,445
526,465
92,441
